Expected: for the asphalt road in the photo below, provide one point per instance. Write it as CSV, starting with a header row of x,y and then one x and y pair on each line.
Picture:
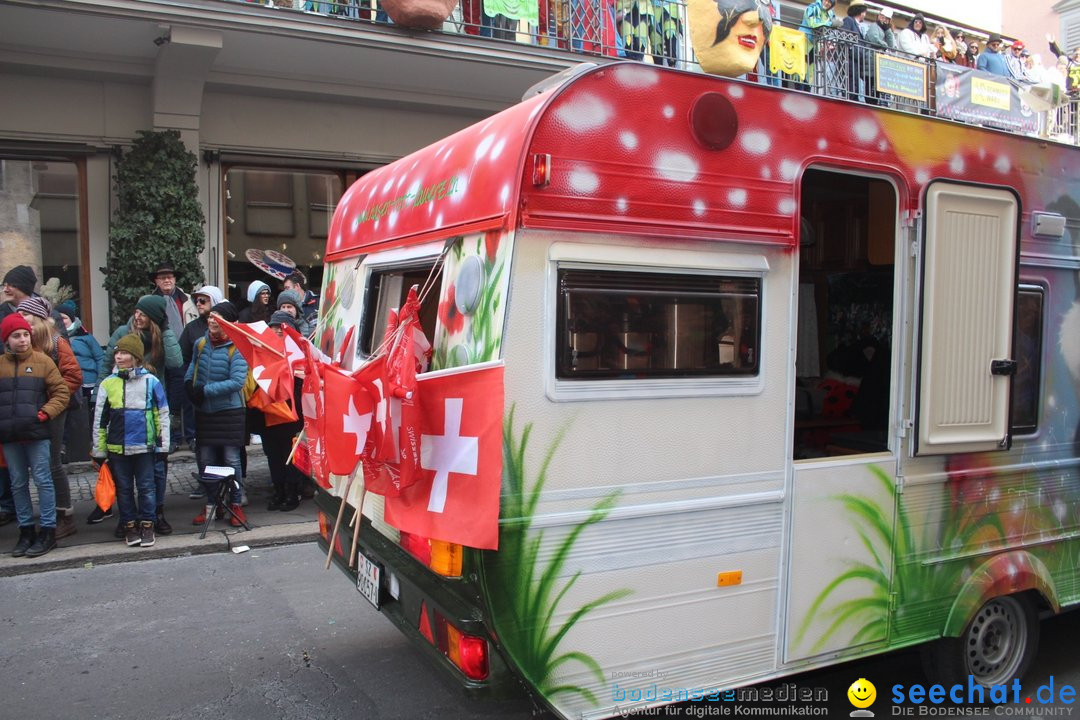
x,y
269,634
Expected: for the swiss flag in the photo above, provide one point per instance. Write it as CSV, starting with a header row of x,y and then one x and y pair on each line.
x,y
349,412
265,355
311,401
456,495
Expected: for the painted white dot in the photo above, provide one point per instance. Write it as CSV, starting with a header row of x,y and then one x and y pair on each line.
x,y
391,219
800,108
583,181
822,143
484,146
622,205
956,164
865,130
461,190
755,142
669,112
737,197
789,170
922,176
786,206
882,146
355,222
736,91
699,207
636,76
438,220
389,183
676,166
585,112
766,172
1003,165
504,194
628,139
982,153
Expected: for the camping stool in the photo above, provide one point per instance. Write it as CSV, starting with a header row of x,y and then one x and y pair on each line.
x,y
217,497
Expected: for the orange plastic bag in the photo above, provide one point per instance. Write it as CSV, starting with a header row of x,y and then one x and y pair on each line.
x,y
105,490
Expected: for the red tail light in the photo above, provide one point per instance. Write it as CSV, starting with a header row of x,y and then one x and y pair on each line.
x,y
467,652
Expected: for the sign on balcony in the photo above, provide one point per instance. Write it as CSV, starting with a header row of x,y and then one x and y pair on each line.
x,y
897,76
973,96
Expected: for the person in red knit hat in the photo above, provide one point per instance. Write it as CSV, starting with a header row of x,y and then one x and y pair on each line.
x,y
32,391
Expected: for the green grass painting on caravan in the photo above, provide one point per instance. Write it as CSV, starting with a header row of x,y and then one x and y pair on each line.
x,y
525,596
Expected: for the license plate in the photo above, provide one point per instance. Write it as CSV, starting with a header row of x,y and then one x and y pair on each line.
x,y
367,579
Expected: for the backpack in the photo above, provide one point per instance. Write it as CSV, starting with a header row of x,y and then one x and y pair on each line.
x,y
250,386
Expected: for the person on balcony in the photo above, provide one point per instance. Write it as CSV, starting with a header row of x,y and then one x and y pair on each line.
x,y
880,32
991,60
1072,65
856,14
914,40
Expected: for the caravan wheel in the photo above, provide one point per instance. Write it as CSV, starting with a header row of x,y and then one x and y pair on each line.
x,y
998,644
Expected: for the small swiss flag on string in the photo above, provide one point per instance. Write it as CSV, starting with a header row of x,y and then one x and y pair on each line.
x,y
456,495
264,352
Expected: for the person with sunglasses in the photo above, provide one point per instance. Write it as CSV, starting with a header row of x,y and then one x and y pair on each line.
x,y
204,298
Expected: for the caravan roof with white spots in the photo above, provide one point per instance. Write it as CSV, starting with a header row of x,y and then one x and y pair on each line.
x,y
638,149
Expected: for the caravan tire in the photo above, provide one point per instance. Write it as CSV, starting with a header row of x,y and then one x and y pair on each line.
x,y
998,644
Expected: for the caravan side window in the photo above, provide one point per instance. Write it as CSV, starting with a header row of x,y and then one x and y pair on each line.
x,y
616,324
387,289
1028,344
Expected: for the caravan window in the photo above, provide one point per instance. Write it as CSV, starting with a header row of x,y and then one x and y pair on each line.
x,y
387,288
1028,343
619,324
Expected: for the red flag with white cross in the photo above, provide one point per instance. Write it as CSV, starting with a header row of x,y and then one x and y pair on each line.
x,y
349,412
264,352
456,495
311,403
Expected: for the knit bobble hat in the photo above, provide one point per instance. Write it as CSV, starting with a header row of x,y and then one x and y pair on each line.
x,y
153,307
11,323
256,287
226,310
133,345
23,278
280,317
68,308
37,306
289,297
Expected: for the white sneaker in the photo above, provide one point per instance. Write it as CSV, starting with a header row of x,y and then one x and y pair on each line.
x,y
196,495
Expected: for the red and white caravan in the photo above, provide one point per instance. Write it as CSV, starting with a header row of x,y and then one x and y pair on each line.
x,y
760,379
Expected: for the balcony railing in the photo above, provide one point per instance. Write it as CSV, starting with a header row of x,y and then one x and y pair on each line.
x,y
655,31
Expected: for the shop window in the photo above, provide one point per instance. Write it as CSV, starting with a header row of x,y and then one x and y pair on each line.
x,y
272,213
618,324
40,209
1028,344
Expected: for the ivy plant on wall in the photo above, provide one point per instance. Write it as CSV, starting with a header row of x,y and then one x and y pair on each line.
x,y
158,220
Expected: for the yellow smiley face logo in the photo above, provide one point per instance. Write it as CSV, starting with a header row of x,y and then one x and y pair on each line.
x,y
862,693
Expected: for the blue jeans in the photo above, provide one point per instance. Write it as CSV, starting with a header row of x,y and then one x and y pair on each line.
x,y
228,455
136,495
25,459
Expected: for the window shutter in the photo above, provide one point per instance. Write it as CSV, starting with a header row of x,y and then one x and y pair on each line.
x,y
969,276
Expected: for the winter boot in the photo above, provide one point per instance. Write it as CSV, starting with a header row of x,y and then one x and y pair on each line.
x,y
65,525
238,517
132,534
161,525
27,536
146,534
46,541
